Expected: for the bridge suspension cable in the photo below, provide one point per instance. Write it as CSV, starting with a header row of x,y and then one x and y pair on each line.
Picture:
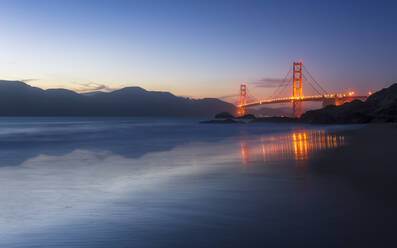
x,y
314,80
311,85
251,96
282,86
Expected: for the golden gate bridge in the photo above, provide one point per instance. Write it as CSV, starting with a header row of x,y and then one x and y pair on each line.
x,y
297,98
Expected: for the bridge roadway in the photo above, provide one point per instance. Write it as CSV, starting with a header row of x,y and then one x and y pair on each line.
x,y
331,99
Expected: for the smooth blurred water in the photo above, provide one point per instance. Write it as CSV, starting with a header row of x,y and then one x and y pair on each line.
x,y
152,182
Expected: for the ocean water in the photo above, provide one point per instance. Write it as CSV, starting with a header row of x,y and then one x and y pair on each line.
x,y
169,182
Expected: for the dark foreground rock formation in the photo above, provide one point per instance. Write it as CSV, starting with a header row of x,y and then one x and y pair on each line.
x,y
379,107
20,99
218,121
224,115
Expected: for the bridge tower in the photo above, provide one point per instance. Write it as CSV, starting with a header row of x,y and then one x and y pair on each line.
x,y
243,99
297,89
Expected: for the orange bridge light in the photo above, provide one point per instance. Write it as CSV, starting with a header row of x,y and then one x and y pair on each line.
x,y
351,93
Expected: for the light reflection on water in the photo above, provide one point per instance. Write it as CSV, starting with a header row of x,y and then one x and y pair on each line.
x,y
297,145
174,186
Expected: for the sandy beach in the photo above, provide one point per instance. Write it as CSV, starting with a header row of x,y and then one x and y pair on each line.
x,y
369,157
368,165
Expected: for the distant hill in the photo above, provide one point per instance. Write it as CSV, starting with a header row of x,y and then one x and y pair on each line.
x,y
20,99
379,107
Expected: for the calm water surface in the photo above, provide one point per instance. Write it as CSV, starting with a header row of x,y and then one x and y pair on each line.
x,y
142,182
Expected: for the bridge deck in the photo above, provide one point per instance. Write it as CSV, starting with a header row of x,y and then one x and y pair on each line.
x,y
317,98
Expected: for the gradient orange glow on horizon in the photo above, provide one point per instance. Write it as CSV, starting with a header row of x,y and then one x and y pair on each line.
x,y
198,48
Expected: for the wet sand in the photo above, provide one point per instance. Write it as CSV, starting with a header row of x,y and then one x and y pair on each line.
x,y
111,183
369,157
368,165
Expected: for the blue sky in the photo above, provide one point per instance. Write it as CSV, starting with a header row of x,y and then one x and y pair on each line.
x,y
197,48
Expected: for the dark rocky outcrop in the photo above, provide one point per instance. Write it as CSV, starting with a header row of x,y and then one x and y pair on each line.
x,y
224,115
227,118
20,99
225,121
379,107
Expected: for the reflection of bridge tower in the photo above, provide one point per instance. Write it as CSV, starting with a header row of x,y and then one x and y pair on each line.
x,y
297,89
243,98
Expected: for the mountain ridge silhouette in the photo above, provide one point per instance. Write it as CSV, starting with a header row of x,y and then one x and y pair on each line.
x,y
20,99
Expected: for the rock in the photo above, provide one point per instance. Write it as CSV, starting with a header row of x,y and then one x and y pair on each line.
x,y
352,112
226,121
224,115
382,105
379,107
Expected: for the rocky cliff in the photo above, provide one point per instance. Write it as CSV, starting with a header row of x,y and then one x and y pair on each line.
x,y
379,107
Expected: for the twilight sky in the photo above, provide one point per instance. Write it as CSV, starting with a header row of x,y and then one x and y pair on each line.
x,y
197,48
